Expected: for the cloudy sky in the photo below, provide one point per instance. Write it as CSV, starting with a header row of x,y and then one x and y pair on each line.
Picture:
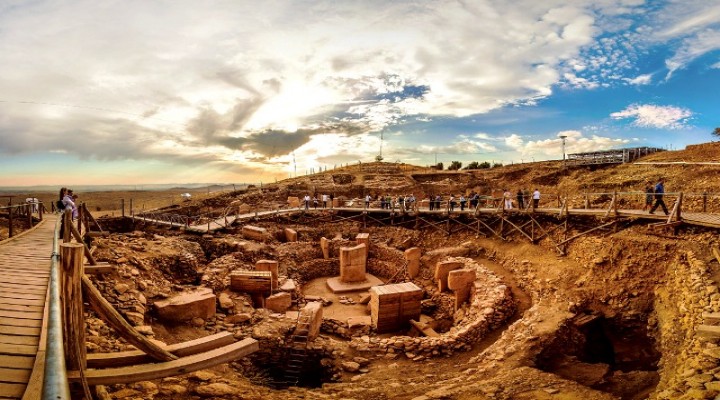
x,y
139,92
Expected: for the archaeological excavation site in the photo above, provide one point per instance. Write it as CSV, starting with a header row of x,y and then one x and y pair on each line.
x,y
378,291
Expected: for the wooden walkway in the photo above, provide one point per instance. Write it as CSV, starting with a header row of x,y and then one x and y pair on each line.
x,y
692,218
24,276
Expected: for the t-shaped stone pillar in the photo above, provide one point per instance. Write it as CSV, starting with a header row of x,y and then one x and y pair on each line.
x,y
461,282
353,261
325,247
364,238
412,255
442,269
269,265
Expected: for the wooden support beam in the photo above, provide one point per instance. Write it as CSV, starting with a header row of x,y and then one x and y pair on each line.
x,y
123,358
423,328
180,366
708,331
711,318
587,231
99,268
106,311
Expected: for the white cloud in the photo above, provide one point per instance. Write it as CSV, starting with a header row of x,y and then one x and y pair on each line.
x,y
693,48
575,142
640,80
652,116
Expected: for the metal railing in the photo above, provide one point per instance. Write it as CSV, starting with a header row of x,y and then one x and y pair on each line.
x,y
55,382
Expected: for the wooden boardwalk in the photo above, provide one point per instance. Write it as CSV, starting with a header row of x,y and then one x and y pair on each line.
x,y
24,276
691,218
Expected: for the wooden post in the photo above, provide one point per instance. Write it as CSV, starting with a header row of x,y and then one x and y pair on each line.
x,y
132,212
72,304
29,214
81,215
122,207
587,201
10,218
704,201
67,225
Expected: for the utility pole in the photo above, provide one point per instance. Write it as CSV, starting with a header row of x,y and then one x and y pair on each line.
x,y
563,137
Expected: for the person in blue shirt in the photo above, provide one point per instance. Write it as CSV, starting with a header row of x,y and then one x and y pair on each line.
x,y
659,192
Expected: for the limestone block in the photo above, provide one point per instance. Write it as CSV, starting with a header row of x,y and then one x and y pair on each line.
x,y
393,306
279,302
291,235
353,261
293,202
269,265
364,238
312,312
442,269
325,247
412,255
186,306
254,233
259,282
288,286
461,281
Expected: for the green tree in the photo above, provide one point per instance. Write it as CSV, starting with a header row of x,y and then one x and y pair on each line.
x,y
454,166
439,166
473,165
716,132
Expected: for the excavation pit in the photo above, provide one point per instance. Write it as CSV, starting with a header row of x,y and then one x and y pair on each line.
x,y
612,355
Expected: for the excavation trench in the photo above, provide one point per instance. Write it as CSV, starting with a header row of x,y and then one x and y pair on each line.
x,y
613,355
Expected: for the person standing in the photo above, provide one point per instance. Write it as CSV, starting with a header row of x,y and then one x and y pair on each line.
x,y
536,198
69,203
315,202
306,200
520,199
462,202
59,205
367,201
508,199
431,202
649,191
659,193
324,200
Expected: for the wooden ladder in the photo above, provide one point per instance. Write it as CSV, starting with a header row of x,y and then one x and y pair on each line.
x,y
298,350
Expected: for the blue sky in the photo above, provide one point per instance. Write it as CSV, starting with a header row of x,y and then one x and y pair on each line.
x,y
139,92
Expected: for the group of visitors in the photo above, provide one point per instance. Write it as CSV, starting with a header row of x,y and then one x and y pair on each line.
x,y
315,202
67,201
522,199
404,202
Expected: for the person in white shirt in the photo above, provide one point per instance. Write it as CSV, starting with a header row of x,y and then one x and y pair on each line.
x,y
324,200
69,203
367,201
306,199
536,198
508,200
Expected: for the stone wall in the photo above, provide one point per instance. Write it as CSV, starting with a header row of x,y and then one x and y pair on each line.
x,y
490,305
385,261
690,365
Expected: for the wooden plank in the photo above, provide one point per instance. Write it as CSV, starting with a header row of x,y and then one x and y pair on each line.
x,y
20,315
19,331
18,340
26,296
29,323
11,390
180,366
22,302
21,307
9,375
18,349
20,288
711,318
708,331
119,359
17,362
